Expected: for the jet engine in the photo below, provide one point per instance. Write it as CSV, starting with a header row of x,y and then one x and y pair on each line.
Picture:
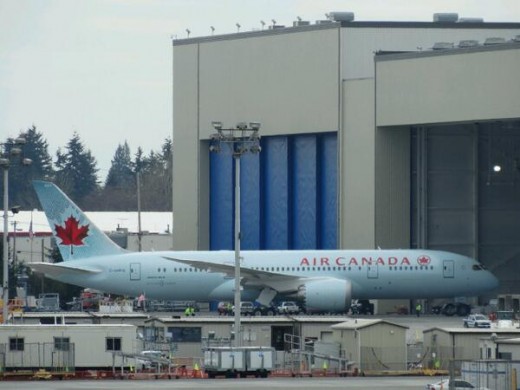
x,y
326,295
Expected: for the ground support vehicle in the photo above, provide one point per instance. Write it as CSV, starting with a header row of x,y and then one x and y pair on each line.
x,y
238,362
246,308
458,384
477,321
362,306
288,307
450,309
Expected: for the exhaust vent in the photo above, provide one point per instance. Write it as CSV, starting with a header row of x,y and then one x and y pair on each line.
x,y
445,17
468,43
494,41
341,16
442,46
471,20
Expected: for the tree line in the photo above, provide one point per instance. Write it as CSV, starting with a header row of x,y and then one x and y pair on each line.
x,y
74,169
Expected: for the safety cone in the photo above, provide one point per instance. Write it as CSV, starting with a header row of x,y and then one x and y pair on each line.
x,y
196,371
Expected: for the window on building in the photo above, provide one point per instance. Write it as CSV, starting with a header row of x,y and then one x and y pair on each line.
x,y
61,343
184,334
16,344
113,343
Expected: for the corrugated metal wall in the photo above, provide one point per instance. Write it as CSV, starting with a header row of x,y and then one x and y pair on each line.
x,y
288,195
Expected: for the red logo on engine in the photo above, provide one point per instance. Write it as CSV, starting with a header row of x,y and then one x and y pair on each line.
x,y
423,260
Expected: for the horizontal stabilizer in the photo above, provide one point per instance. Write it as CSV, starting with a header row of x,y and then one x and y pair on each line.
x,y
62,269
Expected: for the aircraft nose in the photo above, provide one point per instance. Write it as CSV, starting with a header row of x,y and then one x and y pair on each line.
x,y
491,281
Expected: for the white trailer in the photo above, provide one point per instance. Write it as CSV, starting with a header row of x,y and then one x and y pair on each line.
x,y
65,347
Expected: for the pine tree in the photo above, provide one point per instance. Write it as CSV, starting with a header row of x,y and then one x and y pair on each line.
x,y
76,171
121,173
20,177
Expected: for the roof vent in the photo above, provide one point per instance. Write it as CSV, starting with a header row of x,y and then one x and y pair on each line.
x,y
471,20
324,21
494,41
298,23
445,17
468,43
442,46
341,16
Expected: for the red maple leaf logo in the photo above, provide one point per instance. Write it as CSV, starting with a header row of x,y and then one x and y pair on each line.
x,y
423,260
72,233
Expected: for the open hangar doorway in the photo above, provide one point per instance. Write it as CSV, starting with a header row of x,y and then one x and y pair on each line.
x,y
465,194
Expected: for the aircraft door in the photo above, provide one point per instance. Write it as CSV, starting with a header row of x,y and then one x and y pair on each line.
x,y
373,271
135,271
448,269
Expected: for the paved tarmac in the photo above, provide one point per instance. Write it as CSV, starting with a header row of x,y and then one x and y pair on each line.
x,y
387,383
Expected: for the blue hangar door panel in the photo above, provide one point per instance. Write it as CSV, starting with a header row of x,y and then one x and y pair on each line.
x,y
328,192
250,220
221,200
304,192
275,195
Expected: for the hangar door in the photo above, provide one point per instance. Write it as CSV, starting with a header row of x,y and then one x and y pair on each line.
x,y
466,194
288,194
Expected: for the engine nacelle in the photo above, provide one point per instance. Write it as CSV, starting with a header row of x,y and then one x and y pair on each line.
x,y
326,295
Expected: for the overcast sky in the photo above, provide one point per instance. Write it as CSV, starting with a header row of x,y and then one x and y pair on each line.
x,y
103,68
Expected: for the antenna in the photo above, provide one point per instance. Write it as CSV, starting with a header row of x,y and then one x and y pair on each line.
x,y
188,32
299,19
212,29
263,24
274,22
238,27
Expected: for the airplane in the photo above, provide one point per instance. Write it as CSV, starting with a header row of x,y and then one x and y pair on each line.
x,y
325,280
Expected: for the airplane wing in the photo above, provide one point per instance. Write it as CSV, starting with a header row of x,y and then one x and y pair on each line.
x,y
59,269
249,276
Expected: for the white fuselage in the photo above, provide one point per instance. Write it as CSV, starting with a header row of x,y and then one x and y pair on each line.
x,y
373,273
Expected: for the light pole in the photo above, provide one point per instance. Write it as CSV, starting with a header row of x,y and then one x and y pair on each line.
x,y
10,149
241,139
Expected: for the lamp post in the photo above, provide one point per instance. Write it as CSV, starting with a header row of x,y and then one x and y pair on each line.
x,y
241,139
10,149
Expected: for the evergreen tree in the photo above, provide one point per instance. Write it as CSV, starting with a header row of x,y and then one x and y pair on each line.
x,y
156,178
76,171
20,176
121,173
119,193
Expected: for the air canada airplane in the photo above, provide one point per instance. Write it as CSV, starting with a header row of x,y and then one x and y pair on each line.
x,y
324,280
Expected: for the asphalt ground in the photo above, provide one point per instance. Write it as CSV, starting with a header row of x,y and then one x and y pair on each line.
x,y
387,383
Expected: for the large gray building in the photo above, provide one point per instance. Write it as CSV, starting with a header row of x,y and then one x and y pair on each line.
x,y
371,137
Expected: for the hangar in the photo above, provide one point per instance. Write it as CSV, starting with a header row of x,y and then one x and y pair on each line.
x,y
374,134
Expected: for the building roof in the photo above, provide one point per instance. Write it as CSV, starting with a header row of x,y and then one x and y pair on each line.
x,y
250,320
360,323
322,25
474,330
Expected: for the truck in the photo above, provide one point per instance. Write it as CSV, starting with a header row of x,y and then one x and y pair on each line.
x,y
477,321
288,307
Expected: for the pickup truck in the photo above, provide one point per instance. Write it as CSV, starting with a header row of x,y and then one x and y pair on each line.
x,y
288,307
477,321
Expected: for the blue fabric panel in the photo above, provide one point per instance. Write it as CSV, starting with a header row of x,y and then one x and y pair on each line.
x,y
250,201
328,231
304,192
221,200
275,182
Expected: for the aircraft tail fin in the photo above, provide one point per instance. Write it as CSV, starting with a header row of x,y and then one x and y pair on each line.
x,y
76,236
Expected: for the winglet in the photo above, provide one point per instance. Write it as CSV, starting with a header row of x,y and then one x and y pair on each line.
x,y
76,236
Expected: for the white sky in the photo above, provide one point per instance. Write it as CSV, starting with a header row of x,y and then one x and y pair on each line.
x,y
103,68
